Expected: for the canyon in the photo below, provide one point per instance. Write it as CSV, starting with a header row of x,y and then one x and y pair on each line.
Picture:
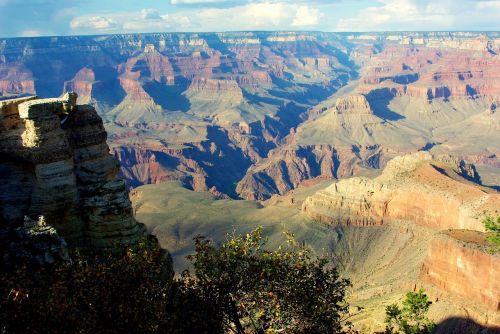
x,y
56,164
416,225
380,149
254,114
437,192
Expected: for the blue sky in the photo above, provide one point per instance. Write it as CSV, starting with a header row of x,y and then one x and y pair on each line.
x,y
76,17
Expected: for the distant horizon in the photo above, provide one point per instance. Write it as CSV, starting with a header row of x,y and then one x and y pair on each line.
x,y
49,18
257,31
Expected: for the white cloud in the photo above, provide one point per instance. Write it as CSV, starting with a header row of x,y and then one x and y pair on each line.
x,y
30,33
150,14
255,16
267,15
93,22
423,15
168,22
306,16
491,4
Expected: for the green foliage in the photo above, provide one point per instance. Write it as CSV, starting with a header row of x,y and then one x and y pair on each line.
x,y
412,317
238,287
254,290
492,227
130,291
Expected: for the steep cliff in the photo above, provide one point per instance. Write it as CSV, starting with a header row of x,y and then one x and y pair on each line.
x,y
281,97
440,195
55,162
437,192
457,263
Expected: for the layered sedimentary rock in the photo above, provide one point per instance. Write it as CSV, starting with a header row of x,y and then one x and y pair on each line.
x,y
438,192
434,72
286,174
353,104
82,85
56,163
213,89
350,134
464,269
276,96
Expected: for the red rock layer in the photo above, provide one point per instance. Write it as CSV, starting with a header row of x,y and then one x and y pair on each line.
x,y
81,84
432,73
432,192
15,79
464,271
59,151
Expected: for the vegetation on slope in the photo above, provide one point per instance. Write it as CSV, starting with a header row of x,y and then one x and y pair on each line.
x,y
492,227
236,287
412,317
260,291
118,292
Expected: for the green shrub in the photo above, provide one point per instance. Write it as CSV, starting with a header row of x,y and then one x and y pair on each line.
x,y
130,291
412,317
237,287
259,291
492,227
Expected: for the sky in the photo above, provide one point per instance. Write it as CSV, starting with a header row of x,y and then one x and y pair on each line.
x,y
21,18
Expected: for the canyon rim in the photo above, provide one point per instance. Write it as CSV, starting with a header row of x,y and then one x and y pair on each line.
x,y
380,149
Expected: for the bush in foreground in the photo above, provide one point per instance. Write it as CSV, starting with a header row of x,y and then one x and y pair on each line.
x,y
254,290
118,292
412,317
236,287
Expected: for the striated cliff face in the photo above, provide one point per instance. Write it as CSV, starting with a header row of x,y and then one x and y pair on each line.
x,y
283,99
56,163
437,192
463,269
82,84
353,104
311,152
286,174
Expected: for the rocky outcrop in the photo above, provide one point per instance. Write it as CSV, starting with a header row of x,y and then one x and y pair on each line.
x,y
464,269
35,243
215,89
285,174
432,74
82,85
352,104
255,80
443,196
289,166
56,163
16,79
438,192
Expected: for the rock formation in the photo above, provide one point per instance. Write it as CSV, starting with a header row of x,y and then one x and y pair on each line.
x,y
353,104
463,268
438,192
35,243
279,98
56,163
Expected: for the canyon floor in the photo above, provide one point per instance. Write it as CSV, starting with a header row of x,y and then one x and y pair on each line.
x,y
218,133
383,262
